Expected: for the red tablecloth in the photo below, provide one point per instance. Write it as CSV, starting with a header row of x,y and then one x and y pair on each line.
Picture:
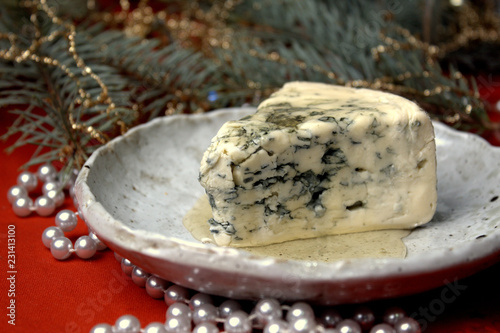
x,y
74,295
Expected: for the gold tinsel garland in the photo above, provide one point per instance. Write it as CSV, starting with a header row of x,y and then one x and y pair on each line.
x,y
207,29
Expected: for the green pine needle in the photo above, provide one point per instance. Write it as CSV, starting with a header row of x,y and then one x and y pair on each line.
x,y
157,74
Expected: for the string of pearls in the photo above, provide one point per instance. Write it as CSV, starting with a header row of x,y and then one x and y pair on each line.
x,y
44,205
61,247
53,197
199,314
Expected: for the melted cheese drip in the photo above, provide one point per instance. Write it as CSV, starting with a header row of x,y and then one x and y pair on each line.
x,y
370,244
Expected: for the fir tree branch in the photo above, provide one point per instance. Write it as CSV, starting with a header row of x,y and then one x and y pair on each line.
x,y
84,81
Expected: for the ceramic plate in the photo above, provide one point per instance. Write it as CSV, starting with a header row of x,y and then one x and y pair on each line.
x,y
134,191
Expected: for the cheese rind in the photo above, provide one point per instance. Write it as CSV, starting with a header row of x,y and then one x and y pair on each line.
x,y
318,159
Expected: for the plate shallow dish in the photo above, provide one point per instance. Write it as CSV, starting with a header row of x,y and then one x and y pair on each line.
x,y
134,191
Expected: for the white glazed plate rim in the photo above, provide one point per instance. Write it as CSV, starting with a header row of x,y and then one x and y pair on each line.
x,y
231,261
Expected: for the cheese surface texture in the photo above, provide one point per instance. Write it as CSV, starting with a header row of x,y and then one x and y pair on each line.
x,y
318,159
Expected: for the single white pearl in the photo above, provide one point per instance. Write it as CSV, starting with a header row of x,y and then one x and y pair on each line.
x,y
238,322
139,276
206,328
178,325
61,248
200,299
267,309
155,287
155,328
175,293
46,172
57,196
179,309
299,310
407,325
49,234
205,313
276,326
100,245
22,206
16,192
27,180
348,326
51,185
102,328
85,247
330,318
303,325
44,206
382,328
66,220
228,307
127,267
127,324
393,315
365,317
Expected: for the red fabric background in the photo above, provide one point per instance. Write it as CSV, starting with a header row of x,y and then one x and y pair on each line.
x,y
73,295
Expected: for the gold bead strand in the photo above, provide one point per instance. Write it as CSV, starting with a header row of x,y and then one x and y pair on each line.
x,y
86,99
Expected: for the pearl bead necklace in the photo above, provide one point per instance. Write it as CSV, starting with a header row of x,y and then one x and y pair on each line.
x,y
61,247
53,196
196,314
52,189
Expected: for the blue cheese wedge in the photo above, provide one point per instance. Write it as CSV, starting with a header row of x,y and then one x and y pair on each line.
x,y
318,159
